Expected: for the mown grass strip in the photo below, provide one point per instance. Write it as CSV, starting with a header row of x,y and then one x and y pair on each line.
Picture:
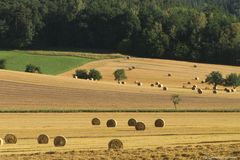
x,y
119,110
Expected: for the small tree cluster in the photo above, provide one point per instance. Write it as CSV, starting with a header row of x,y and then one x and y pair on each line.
x,y
32,69
216,78
92,74
2,64
119,74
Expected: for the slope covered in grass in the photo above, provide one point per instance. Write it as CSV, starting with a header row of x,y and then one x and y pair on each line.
x,y
17,61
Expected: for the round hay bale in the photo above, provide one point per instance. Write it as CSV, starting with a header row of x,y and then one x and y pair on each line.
x,y
152,85
184,86
165,88
139,84
136,82
160,85
188,82
159,123
129,68
197,78
157,83
202,81
43,139
200,91
227,90
1,142
194,87
124,82
128,57
195,66
111,123
132,122
133,67
96,122
169,74
10,139
60,141
215,88
233,90
140,126
214,92
115,144
119,82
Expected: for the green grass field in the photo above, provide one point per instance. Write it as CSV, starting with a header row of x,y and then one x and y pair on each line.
x,y
17,61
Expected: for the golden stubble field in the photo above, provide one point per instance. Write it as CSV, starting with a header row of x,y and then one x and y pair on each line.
x,y
31,91
185,133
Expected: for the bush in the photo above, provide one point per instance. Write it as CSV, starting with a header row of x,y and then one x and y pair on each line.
x,y
176,100
232,80
119,74
32,69
2,64
95,74
81,73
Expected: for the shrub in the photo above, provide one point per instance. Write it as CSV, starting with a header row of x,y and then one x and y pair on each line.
x,y
176,100
95,74
81,73
2,64
32,69
119,74
232,80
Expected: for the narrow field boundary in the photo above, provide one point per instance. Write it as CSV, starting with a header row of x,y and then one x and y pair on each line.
x,y
119,110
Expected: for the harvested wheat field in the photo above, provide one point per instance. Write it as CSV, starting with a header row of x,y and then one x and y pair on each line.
x,y
22,91
150,71
186,135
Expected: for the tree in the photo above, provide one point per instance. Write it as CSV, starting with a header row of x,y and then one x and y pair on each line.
x,y
32,69
81,73
232,80
119,74
215,78
2,64
95,74
176,100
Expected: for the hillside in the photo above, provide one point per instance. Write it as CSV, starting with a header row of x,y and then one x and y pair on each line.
x,y
32,91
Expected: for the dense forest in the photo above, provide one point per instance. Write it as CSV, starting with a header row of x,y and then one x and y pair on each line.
x,y
193,30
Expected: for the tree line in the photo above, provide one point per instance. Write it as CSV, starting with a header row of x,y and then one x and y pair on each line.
x,y
193,30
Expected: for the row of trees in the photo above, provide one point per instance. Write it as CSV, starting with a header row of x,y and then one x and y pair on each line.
x,y
216,78
84,74
94,74
195,30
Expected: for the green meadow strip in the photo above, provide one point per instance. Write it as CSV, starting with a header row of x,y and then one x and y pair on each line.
x,y
119,110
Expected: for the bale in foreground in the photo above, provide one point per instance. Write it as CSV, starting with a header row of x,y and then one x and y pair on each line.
x,y
1,141
165,88
60,141
159,123
115,144
43,139
96,122
10,139
111,123
132,122
140,126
